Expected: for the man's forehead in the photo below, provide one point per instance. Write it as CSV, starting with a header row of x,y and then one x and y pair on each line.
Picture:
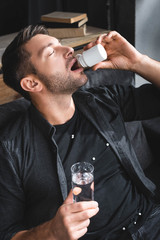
x,y
42,38
40,41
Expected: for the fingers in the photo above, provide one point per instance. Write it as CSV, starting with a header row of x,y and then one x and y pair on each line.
x,y
79,206
103,39
82,206
105,64
81,232
77,223
83,224
112,35
84,209
93,43
77,218
69,198
107,39
81,229
86,214
80,210
73,219
89,45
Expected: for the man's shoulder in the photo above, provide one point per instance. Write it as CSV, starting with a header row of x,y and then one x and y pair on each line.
x,y
13,128
13,117
108,90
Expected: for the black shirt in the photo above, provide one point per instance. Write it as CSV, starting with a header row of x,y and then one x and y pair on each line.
x,y
119,200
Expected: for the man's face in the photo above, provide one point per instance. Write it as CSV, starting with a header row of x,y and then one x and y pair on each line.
x,y
55,64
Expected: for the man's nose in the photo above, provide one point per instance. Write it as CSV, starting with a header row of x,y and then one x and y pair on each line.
x,y
69,51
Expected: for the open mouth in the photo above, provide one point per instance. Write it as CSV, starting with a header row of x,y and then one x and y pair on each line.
x,y
75,66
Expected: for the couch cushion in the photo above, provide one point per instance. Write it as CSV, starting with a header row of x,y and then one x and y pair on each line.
x,y
108,76
139,142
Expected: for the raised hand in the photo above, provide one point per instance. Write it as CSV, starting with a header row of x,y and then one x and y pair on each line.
x,y
121,54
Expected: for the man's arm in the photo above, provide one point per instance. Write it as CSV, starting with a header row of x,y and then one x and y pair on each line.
x,y
70,222
122,55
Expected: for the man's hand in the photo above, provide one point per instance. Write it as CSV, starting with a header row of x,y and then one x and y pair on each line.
x,y
72,219
70,222
120,53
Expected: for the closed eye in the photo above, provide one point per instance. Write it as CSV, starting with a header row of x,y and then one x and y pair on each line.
x,y
51,52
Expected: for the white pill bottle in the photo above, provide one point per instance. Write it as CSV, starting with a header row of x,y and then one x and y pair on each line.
x,y
92,56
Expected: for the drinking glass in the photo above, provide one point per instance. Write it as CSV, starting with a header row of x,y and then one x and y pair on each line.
x,y
82,181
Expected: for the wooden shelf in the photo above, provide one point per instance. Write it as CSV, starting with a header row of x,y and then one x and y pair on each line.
x,y
6,93
91,34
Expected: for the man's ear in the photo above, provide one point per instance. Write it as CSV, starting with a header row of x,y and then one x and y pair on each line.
x,y
31,84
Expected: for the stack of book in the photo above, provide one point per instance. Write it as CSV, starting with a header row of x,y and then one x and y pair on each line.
x,y
65,24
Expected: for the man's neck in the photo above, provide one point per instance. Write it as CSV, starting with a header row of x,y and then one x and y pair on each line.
x,y
56,110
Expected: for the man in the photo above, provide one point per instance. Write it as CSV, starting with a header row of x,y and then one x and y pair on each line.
x,y
64,126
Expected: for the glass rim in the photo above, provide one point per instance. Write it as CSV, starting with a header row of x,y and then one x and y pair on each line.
x,y
82,163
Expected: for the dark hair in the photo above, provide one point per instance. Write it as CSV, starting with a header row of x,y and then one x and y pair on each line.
x,y
16,62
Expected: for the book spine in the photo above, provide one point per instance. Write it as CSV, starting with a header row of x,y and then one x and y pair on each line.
x,y
67,32
63,17
60,25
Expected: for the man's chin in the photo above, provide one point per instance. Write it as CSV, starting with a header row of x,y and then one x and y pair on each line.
x,y
84,79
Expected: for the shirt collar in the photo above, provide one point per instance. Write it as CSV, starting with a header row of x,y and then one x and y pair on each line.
x,y
47,128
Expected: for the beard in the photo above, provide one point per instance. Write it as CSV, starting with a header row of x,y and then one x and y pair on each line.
x,y
61,83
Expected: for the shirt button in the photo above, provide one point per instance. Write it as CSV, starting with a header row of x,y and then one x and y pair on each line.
x,y
107,144
139,213
72,136
93,158
123,228
135,223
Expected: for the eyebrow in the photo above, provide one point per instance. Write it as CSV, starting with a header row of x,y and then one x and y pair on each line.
x,y
43,48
